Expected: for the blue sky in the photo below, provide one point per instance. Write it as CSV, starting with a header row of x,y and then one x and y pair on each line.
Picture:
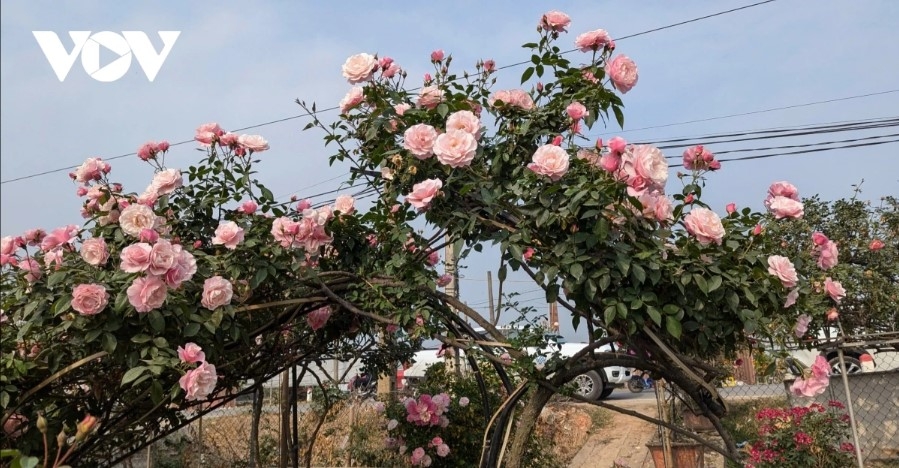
x,y
244,63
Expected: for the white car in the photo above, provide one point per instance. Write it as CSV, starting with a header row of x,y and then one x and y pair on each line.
x,y
592,385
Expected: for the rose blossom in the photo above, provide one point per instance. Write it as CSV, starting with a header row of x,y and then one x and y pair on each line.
x,y
229,234
162,257
801,327
57,238
816,383
698,158
419,140
705,225
191,353
318,317
254,143
832,314
207,133
89,299
617,145
827,254
731,208
198,383
136,218
791,298
94,251
782,189
512,98
53,257
352,99
463,402
592,40
183,270
465,121
166,181
554,21
875,245
344,204
136,257
32,237
443,450
417,455
423,193
437,55
359,68
455,148
90,169
576,111
248,207
551,161
444,280
834,289
819,239
391,425
623,73
32,269
783,207
783,269
148,235
430,96
401,108
147,293
217,292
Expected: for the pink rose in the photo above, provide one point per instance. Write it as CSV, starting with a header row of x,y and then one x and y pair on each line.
x,y
875,245
248,207
191,353
801,326
53,257
89,299
816,383
161,258
91,169
344,204
455,148
148,151
827,254
554,21
592,40
705,225
198,383
791,298
610,161
489,65
217,292
528,253
417,455
834,289
444,280
359,68
254,143
401,108
208,133
433,258
230,140
465,121
183,270
94,251
832,314
590,156
136,218
32,237
731,208
550,161
513,98
443,450
430,96
58,237
352,99
31,268
318,317
147,293
304,204
617,145
419,140
623,73
136,257
463,402
656,206
229,234
783,207
782,189
148,235
645,168
576,111
819,239
437,55
757,230
783,269
423,193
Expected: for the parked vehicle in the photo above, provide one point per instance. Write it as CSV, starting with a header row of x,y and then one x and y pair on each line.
x,y
593,385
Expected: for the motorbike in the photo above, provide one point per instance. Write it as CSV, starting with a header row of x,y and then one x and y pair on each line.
x,y
363,383
637,384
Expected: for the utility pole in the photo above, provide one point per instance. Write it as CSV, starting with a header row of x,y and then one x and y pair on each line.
x,y
452,289
554,317
490,296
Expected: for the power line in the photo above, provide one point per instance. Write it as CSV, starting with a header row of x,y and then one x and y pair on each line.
x,y
816,150
307,114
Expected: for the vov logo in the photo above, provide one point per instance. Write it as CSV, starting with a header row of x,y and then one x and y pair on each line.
x,y
129,43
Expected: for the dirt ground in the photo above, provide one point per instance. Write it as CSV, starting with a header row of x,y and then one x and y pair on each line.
x,y
624,438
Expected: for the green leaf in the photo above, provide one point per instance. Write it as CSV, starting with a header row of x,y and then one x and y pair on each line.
x,y
622,309
259,277
701,282
56,278
216,319
610,313
191,329
141,338
673,326
501,273
714,283
576,270
267,194
28,462
92,335
528,72
133,374
443,109
120,300
623,264
638,273
619,116
157,321
732,300
654,315
109,342
4,399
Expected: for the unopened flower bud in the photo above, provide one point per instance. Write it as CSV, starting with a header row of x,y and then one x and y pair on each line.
x,y
42,423
61,438
85,427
